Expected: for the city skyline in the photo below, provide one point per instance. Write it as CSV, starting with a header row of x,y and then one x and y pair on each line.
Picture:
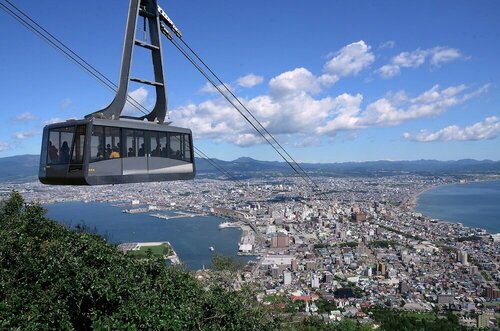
x,y
333,82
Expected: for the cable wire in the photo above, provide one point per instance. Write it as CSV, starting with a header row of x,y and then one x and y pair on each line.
x,y
35,28
245,108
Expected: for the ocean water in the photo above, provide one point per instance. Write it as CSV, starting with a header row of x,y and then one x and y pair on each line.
x,y
472,204
190,237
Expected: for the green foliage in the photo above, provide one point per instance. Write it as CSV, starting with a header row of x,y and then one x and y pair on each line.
x,y
325,306
53,278
316,324
468,238
404,234
401,320
383,243
486,276
156,251
226,263
349,244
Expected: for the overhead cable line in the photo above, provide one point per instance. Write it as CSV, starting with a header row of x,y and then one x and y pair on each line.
x,y
302,174
245,108
36,28
53,41
197,66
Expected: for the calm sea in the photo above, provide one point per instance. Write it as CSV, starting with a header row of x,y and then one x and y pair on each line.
x,y
472,204
191,237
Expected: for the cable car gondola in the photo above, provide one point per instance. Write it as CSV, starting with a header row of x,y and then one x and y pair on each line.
x,y
108,148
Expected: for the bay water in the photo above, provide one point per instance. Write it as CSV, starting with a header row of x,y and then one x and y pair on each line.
x,y
190,237
474,204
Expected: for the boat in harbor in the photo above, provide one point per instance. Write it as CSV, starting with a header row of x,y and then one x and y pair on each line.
x,y
211,248
224,225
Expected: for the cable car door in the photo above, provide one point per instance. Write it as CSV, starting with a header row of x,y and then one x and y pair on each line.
x,y
135,153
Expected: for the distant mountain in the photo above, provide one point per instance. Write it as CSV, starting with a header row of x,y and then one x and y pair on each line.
x,y
19,168
25,167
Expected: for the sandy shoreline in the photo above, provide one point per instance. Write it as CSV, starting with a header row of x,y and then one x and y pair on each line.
x,y
411,202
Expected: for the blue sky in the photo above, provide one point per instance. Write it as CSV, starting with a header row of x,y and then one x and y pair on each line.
x,y
334,81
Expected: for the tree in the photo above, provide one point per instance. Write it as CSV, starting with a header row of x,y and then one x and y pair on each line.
x,y
55,278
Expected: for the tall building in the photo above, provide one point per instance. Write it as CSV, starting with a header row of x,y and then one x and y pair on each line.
x,y
280,241
483,321
381,269
287,278
314,280
462,257
359,216
492,293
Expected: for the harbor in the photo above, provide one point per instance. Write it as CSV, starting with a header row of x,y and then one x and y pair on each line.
x,y
178,214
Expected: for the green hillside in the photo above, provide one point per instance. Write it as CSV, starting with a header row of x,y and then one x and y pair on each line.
x,y
54,278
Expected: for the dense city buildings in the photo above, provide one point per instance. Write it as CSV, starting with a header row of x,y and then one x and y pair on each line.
x,y
360,245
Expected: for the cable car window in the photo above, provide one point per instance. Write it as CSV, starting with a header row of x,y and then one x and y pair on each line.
x,y
139,136
60,141
130,144
78,145
163,144
154,143
97,144
187,148
112,141
174,151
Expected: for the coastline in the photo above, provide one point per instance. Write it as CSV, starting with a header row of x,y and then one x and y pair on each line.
x,y
411,203
190,237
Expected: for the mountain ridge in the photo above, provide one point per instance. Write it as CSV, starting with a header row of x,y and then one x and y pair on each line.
x,y
20,168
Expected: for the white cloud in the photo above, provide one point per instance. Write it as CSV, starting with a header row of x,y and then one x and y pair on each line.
x,y
208,88
487,129
350,60
394,108
65,104
249,80
140,95
345,115
436,56
24,135
387,44
293,111
24,117
53,120
4,146
297,81
442,55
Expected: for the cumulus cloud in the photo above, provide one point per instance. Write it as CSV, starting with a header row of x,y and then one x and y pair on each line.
x,y
296,112
140,95
487,129
398,108
436,56
249,80
24,117
24,135
297,81
394,108
345,115
216,120
4,146
292,111
349,60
